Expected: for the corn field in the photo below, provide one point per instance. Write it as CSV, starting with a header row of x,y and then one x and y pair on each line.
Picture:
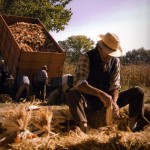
x,y
131,75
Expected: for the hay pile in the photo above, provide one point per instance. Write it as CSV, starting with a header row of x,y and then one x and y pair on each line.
x,y
42,128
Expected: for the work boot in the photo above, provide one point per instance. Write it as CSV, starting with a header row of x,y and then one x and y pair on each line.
x,y
142,122
132,123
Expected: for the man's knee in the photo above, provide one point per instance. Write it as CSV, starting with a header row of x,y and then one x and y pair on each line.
x,y
73,95
138,94
138,90
72,92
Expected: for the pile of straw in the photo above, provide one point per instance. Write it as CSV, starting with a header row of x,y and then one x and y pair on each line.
x,y
46,123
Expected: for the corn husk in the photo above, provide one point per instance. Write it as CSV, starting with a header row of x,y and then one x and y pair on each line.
x,y
41,119
109,114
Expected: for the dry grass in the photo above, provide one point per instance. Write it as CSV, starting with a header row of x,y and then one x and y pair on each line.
x,y
134,75
44,128
115,136
131,75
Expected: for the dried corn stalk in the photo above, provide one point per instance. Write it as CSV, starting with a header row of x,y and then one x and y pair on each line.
x,y
16,124
24,135
60,115
41,119
18,119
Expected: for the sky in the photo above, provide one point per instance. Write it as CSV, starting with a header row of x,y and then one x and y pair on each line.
x,y
129,19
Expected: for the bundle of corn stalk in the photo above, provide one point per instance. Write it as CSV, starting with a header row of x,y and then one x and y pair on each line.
x,y
15,123
32,37
61,118
47,120
104,139
41,122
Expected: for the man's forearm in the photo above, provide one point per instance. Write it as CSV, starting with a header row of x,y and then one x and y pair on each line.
x,y
88,89
115,95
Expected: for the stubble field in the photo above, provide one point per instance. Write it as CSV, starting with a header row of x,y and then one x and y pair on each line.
x,y
49,127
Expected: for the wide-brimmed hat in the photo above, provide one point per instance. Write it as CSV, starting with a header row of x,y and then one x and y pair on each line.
x,y
110,44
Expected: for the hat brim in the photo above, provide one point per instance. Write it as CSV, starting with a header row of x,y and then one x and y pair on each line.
x,y
110,52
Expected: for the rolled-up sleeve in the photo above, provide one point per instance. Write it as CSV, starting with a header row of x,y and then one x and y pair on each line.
x,y
115,78
82,69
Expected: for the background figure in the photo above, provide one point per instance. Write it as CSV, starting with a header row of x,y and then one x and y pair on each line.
x,y
24,84
1,65
33,87
41,82
63,84
7,85
5,73
56,97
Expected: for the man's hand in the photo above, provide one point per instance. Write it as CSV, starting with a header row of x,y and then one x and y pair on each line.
x,y
115,109
106,99
115,95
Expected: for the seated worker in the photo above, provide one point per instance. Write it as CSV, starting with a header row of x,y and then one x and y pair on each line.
x,y
57,97
97,84
23,84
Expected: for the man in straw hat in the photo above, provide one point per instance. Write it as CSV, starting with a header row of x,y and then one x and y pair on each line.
x,y
98,82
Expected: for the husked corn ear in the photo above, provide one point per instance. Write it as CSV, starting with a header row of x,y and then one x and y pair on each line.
x,y
109,114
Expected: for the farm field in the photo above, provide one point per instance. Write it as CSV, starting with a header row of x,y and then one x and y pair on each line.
x,y
50,128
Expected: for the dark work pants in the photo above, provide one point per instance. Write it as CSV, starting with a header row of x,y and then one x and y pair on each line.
x,y
41,90
78,105
20,91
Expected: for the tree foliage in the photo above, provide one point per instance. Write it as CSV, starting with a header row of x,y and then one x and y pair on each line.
x,y
139,56
74,45
52,13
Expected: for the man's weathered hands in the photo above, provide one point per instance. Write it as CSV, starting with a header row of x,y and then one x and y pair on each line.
x,y
115,109
106,99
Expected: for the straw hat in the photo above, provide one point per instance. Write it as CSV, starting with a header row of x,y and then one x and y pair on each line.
x,y
110,44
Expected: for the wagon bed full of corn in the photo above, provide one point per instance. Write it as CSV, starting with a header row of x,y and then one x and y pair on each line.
x,y
32,37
